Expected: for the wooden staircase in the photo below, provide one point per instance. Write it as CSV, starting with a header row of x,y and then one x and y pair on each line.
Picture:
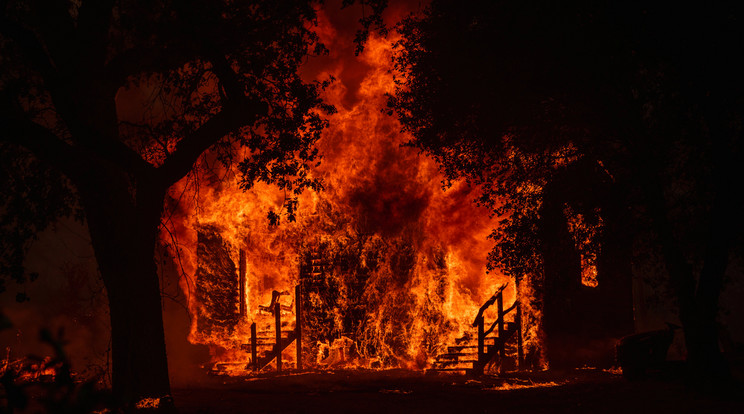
x,y
265,347
458,358
499,342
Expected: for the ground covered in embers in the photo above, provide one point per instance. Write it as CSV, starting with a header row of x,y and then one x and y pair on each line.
x,y
586,391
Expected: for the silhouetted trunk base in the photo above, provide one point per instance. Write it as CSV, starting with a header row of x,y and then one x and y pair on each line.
x,y
124,235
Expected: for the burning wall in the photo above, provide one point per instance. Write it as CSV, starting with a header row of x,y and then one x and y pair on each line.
x,y
217,285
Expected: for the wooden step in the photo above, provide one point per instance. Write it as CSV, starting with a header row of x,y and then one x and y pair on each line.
x,y
247,347
456,348
492,350
269,356
451,355
273,338
459,361
272,331
448,362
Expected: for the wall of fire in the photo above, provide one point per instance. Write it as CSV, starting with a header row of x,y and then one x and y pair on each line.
x,y
387,299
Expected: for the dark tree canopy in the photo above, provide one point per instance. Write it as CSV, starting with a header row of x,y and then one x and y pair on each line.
x,y
512,95
210,72
31,201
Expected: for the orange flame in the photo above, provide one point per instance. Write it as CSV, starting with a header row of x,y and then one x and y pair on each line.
x,y
377,192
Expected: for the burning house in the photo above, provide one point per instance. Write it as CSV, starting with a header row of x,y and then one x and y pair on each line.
x,y
384,268
392,268
354,303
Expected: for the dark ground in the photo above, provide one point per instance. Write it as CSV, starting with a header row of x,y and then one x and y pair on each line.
x,y
585,391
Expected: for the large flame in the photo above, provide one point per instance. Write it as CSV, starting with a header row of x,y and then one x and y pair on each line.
x,y
406,260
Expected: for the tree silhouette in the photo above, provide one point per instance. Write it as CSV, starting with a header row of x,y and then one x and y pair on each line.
x,y
511,94
76,138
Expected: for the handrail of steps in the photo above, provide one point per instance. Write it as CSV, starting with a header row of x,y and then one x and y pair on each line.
x,y
506,312
486,353
488,303
280,342
488,347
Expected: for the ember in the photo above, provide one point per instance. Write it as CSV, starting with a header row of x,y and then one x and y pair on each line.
x,y
28,370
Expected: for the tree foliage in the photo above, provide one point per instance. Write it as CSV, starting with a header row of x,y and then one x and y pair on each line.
x,y
106,104
499,99
507,94
189,75
516,96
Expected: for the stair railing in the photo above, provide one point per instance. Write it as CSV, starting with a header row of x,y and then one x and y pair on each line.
x,y
254,345
298,324
279,344
500,322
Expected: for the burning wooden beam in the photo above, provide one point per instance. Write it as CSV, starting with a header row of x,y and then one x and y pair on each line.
x,y
278,320
254,345
242,266
298,324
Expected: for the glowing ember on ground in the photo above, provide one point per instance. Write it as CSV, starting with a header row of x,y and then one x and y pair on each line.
x,y
148,403
518,385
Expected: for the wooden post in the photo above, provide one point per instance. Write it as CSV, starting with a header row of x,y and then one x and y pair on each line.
x,y
241,284
254,344
298,324
520,352
278,318
481,341
502,335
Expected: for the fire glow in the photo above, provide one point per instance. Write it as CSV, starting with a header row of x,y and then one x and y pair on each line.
x,y
402,263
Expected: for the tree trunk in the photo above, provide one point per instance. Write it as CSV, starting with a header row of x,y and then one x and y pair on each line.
x,y
698,302
562,281
124,227
614,267
704,354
